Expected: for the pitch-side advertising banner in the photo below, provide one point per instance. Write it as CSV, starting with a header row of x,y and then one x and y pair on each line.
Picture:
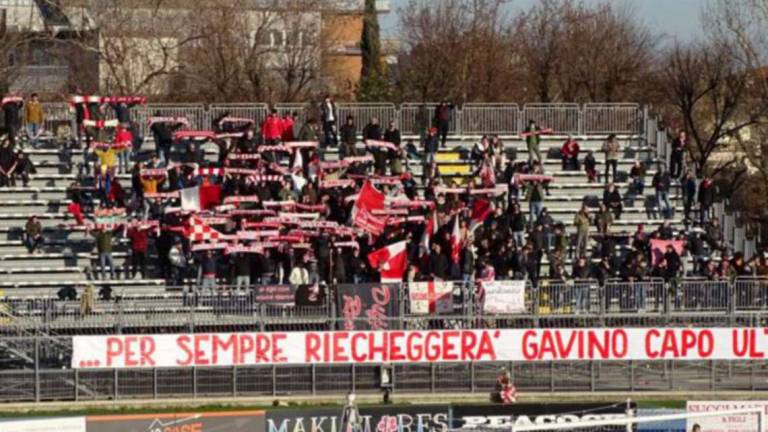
x,y
420,346
58,424
728,423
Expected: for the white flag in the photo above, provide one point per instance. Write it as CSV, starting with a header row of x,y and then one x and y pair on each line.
x,y
190,199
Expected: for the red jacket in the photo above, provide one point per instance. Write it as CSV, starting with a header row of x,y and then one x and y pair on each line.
x,y
570,149
272,128
139,239
287,126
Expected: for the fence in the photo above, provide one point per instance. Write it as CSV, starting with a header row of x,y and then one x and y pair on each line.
x,y
641,303
470,119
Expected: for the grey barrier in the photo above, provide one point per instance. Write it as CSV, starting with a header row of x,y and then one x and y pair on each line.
x,y
644,302
470,119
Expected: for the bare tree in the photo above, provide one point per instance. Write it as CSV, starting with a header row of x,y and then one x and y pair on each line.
x,y
454,49
708,89
133,46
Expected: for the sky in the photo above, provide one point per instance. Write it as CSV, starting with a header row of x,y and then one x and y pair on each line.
x,y
674,18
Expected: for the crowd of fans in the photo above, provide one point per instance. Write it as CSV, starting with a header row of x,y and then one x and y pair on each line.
x,y
497,238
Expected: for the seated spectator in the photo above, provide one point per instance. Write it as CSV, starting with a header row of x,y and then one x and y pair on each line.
x,y
637,175
33,234
24,168
570,154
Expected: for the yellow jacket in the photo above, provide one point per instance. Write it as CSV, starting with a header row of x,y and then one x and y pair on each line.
x,y
33,112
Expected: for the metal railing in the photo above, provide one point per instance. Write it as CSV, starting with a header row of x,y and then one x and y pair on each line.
x,y
644,301
471,119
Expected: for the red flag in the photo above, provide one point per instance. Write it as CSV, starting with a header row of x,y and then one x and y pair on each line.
x,y
368,200
455,240
210,196
198,231
391,261
481,209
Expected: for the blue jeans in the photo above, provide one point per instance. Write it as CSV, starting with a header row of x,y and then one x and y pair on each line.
x,y
640,296
104,258
519,238
124,161
32,130
535,208
666,209
581,293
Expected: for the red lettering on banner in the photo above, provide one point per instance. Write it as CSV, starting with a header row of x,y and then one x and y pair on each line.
x,y
247,346
311,346
114,349
565,351
339,342
753,352
597,348
147,348
430,354
326,351
669,345
739,349
262,348
413,347
449,346
468,341
182,342
355,344
649,351
278,356
395,349
200,358
619,339
530,351
376,351
487,350
706,343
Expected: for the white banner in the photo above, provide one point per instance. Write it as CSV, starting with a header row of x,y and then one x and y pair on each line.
x,y
504,297
729,423
419,346
58,424
430,297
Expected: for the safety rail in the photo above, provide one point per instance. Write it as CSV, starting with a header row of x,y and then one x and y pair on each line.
x,y
470,119
549,299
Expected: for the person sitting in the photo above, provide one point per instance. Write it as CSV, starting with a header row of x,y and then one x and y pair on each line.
x,y
24,168
33,234
570,154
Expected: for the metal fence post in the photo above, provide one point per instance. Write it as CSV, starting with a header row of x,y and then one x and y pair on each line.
x,y
37,370
354,377
458,120
116,384
194,382
314,379
154,383
591,376
472,386
234,380
712,374
77,383
551,377
274,380
432,377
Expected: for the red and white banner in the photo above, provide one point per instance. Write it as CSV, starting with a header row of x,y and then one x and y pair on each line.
x,y
418,346
431,297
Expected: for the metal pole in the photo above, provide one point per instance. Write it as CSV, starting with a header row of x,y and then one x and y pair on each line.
x,y
154,383
37,369
115,383
234,380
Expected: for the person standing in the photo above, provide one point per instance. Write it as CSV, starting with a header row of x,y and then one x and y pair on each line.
x,y
11,107
348,134
33,118
689,194
611,149
272,128
139,245
103,239
328,116
532,140
662,182
581,221
706,198
431,144
679,145
535,196
443,120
